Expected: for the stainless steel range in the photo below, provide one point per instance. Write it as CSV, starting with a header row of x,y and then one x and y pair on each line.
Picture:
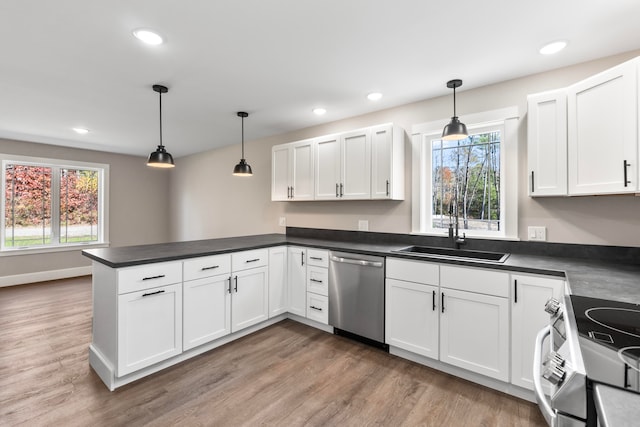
x,y
592,341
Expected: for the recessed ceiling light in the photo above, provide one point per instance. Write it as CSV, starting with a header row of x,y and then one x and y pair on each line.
x,y
148,36
319,111
374,96
81,131
553,47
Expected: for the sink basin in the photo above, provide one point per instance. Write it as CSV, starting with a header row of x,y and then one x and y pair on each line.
x,y
433,252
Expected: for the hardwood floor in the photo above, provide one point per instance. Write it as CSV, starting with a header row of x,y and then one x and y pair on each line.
x,y
285,375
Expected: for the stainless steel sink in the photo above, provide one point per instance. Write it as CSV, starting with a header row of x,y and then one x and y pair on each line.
x,y
464,254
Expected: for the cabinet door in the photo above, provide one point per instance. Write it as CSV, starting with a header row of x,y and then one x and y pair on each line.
x,y
547,143
603,132
280,164
301,173
529,295
474,332
387,163
356,165
327,169
296,277
207,310
250,298
412,317
149,327
278,292
318,308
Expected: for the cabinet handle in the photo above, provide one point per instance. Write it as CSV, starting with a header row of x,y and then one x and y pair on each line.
x,y
236,287
292,191
341,190
433,302
315,308
515,291
387,188
153,277
442,303
532,184
252,260
288,192
229,289
337,192
210,268
301,258
626,165
317,258
315,280
626,376
152,293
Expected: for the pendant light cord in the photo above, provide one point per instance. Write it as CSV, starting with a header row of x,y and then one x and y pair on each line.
x,y
242,137
160,94
454,102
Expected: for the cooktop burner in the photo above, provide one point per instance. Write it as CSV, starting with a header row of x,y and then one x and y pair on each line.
x,y
623,320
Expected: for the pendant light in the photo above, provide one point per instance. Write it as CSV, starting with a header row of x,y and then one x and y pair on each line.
x,y
160,158
455,129
242,168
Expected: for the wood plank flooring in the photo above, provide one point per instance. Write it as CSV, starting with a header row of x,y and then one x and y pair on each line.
x,y
285,375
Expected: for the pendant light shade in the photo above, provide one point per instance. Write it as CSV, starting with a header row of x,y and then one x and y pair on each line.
x,y
160,158
242,168
455,129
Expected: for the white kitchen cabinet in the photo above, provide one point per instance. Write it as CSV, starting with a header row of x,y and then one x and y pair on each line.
x,y
149,327
603,132
250,298
547,143
318,285
474,332
318,308
292,171
529,295
278,289
296,277
207,310
387,162
343,166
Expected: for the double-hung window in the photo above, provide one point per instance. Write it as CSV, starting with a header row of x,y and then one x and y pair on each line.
x,y
52,204
472,181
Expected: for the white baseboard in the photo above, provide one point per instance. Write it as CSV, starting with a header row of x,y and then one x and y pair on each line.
x,y
43,276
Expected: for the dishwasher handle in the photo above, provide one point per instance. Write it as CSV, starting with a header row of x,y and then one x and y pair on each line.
x,y
361,262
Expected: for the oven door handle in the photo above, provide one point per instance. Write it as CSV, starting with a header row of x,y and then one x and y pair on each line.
x,y
544,404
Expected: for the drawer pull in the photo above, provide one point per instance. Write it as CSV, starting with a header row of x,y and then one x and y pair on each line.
x,y
433,302
229,289
315,280
153,277
317,258
210,268
253,260
152,293
236,286
315,308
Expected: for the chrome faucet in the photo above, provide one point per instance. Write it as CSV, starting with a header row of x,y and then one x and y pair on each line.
x,y
454,236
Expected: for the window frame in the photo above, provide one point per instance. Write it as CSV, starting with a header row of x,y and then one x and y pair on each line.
x,y
423,134
56,165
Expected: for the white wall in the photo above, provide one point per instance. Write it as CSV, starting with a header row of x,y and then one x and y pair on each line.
x,y
208,202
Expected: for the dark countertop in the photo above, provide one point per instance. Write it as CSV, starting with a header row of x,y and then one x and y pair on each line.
x,y
586,277
616,408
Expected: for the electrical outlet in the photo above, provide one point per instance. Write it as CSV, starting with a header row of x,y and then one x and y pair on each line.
x,y
363,225
537,234
282,221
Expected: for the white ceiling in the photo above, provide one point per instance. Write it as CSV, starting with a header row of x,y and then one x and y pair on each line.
x,y
75,63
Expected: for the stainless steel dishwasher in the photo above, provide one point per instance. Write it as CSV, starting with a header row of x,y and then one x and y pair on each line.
x,y
356,295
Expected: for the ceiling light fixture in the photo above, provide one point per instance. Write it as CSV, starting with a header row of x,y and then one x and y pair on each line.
x,y
81,131
374,96
553,47
319,111
160,158
242,168
455,129
148,36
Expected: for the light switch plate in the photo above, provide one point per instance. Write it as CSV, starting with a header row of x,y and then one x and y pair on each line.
x,y
363,225
282,221
537,234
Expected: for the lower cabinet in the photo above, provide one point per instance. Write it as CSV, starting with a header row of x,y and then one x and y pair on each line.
x,y
297,280
149,327
207,310
250,298
474,332
278,283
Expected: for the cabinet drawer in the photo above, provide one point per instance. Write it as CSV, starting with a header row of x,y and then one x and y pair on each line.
x,y
249,259
413,271
131,279
478,280
207,266
318,257
318,280
318,308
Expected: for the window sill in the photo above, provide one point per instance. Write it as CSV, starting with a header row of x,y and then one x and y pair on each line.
x,y
51,249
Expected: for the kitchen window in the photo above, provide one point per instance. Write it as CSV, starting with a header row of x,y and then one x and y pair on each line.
x,y
52,204
475,177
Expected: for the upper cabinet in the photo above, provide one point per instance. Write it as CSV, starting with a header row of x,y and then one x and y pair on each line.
x,y
292,171
583,140
547,143
358,165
